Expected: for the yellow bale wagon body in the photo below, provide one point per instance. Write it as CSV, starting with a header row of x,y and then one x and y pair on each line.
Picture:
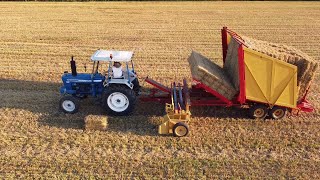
x,y
269,80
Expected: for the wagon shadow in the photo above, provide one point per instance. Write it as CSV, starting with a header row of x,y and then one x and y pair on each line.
x,y
220,112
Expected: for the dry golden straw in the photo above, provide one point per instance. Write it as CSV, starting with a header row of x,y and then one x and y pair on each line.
x,y
95,122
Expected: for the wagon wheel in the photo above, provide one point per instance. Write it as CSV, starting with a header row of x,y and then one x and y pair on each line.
x,y
258,111
277,112
180,129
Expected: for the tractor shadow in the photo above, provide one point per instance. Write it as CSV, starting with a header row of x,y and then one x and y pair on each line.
x,y
42,98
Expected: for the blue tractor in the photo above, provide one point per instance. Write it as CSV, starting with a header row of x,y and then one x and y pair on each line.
x,y
117,89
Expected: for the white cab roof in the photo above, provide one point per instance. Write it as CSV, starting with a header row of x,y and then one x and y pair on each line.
x,y
104,55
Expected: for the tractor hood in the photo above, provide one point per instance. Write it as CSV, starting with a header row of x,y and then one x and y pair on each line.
x,y
82,78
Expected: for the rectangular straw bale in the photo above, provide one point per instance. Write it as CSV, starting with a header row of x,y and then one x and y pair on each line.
x,y
306,65
230,65
95,122
211,75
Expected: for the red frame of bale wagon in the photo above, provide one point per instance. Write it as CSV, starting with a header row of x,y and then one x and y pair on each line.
x,y
202,95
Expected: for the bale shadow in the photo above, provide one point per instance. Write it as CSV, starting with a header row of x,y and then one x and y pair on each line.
x,y
139,125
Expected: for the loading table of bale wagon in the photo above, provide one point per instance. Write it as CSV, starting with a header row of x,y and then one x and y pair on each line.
x,y
250,77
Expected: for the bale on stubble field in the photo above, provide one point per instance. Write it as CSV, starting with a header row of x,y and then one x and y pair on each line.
x,y
95,122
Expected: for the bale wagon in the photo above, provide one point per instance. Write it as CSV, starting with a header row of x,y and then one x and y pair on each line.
x,y
248,78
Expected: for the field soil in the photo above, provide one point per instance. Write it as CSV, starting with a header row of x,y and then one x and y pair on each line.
x,y
37,140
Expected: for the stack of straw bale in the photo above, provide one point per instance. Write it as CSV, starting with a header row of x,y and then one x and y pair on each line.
x,y
226,80
95,122
306,65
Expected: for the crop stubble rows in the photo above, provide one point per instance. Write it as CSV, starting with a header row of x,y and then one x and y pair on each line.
x,y
37,39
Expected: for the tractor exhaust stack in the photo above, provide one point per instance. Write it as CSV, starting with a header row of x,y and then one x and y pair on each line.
x,y
73,67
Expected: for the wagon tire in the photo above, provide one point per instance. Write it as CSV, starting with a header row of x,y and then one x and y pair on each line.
x,y
180,129
258,111
69,104
277,112
118,100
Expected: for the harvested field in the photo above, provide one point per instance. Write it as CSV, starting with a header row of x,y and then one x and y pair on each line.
x,y
37,140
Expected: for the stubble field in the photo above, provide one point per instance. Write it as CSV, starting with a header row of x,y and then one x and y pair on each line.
x,y
37,140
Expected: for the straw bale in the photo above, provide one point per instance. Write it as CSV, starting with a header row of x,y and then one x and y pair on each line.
x,y
95,122
231,66
211,75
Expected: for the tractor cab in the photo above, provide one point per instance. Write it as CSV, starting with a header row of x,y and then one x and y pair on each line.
x,y
120,67
116,88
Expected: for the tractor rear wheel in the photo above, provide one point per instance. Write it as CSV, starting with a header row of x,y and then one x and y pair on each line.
x,y
258,111
277,112
118,100
69,104
180,129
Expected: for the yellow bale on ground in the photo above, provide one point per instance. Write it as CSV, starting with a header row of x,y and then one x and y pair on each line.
x,y
95,122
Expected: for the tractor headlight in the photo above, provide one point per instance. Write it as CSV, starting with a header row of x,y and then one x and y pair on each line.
x,y
63,90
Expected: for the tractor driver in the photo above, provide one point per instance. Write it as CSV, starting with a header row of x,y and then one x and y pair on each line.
x,y
117,70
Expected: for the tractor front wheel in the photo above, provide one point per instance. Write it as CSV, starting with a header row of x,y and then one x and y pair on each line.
x,y
69,104
118,100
